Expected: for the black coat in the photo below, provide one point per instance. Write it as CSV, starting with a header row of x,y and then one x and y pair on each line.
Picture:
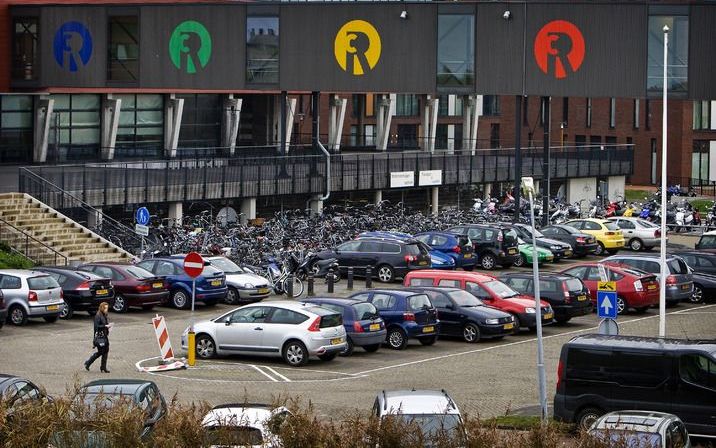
x,y
100,326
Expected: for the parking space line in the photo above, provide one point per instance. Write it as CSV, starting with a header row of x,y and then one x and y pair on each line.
x,y
264,373
469,352
276,373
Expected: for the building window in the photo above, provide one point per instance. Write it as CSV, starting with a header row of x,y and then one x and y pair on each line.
x,y
141,126
353,138
612,112
702,115
543,110
24,48
636,113
565,112
456,50
201,122
357,105
700,161
441,136
443,103
647,114
580,140
407,136
490,105
15,128
495,135
610,141
595,140
76,127
369,135
525,108
589,113
407,105
678,52
123,48
262,50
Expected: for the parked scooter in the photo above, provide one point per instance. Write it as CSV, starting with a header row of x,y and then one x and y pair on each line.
x,y
319,268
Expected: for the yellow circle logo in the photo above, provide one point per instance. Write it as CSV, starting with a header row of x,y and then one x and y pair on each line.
x,y
357,47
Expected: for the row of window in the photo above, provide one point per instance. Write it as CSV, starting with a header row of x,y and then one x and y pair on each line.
x,y
408,105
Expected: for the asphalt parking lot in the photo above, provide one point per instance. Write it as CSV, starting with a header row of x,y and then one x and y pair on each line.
x,y
487,378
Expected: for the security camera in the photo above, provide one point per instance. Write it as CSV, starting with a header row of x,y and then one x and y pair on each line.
x,y
404,14
507,15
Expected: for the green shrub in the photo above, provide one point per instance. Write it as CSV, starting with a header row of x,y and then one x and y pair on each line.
x,y
13,260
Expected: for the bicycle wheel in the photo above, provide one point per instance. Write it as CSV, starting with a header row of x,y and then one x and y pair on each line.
x,y
297,287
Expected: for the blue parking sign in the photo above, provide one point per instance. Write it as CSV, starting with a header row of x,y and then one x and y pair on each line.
x,y
607,304
142,216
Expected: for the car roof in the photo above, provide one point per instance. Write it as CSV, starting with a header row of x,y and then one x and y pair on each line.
x,y
76,272
333,300
241,414
691,252
451,274
25,273
709,233
386,238
433,288
636,257
395,292
116,386
418,402
597,220
643,421
642,342
108,263
542,275
286,304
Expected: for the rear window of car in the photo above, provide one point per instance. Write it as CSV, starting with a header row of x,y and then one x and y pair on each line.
x,y
573,284
414,249
232,436
365,311
331,320
419,302
510,235
42,282
707,242
677,266
611,226
137,272
421,282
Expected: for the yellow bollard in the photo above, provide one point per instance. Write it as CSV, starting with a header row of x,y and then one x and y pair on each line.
x,y
192,348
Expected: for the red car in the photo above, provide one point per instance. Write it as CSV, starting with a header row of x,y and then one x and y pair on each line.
x,y
488,289
133,286
635,289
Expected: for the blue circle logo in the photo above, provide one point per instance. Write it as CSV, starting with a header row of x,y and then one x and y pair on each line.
x,y
72,46
142,216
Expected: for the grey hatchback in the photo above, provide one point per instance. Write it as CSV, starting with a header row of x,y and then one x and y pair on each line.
x,y
30,294
679,282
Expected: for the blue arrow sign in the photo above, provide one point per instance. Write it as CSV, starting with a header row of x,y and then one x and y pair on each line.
x,y
142,216
607,304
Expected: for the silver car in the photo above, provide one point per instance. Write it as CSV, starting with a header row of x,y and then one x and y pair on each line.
x,y
679,281
30,294
244,285
639,234
292,330
641,428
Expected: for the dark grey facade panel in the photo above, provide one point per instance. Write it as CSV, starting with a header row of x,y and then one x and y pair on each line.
x,y
407,61
702,53
193,47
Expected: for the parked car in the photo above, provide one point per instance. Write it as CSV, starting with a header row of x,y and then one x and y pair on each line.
x,y
82,290
526,253
464,315
609,237
489,290
582,243
455,247
292,330
438,260
641,428
598,374
406,314
388,257
493,244
702,266
635,289
639,234
558,248
707,241
133,285
434,412
567,295
30,294
243,424
679,282
3,310
210,285
16,391
243,285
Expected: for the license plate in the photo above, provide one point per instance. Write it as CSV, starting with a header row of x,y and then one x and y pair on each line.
x,y
428,329
582,298
53,307
423,263
548,316
263,290
336,341
158,285
467,256
509,326
102,292
374,327
651,287
216,283
512,251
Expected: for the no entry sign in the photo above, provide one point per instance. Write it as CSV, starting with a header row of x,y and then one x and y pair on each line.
x,y
193,264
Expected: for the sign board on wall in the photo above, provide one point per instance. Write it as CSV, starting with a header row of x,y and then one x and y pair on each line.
x,y
400,179
430,177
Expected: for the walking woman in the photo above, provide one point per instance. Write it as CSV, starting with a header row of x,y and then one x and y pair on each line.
x,y
101,338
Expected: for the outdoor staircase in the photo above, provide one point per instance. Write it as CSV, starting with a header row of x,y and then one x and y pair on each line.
x,y
48,237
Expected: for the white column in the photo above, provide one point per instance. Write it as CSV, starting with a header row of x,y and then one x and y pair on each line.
x,y
173,110
43,120
434,205
336,118
316,205
378,196
176,213
94,218
248,209
111,108
290,113
230,123
384,117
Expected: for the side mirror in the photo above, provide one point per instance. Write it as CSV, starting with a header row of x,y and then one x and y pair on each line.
x,y
449,306
227,323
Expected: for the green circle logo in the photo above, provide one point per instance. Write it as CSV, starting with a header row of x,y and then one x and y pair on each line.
x,y
190,46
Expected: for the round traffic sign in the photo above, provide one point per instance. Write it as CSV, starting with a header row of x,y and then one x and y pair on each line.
x,y
142,216
193,264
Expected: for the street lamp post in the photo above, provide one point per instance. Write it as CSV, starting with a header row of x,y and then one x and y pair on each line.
x,y
662,255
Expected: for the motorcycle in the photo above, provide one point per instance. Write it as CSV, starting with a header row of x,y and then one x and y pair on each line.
x,y
319,268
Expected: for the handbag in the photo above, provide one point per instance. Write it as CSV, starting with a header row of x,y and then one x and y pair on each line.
x,y
100,340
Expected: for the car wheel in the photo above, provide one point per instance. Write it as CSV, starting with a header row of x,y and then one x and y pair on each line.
x,y
586,417
563,319
622,305
487,261
636,245
327,356
516,328
471,333
386,274
698,295
232,296
148,307
180,299
599,251
295,354
397,339
120,305
17,315
50,319
205,347
349,347
67,312
371,348
430,340
521,261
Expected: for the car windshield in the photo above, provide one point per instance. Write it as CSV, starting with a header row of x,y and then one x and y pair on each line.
x,y
140,273
630,439
434,424
611,225
531,231
226,265
232,436
365,311
42,282
500,289
573,285
464,298
419,302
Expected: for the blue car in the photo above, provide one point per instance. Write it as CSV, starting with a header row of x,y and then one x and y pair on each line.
x,y
448,244
210,285
438,259
407,314
364,326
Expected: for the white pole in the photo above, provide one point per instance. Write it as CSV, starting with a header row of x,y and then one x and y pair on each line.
x,y
662,255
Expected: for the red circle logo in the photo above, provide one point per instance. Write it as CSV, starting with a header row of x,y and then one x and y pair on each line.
x,y
559,48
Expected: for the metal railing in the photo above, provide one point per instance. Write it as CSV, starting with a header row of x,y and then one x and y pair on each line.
x,y
28,246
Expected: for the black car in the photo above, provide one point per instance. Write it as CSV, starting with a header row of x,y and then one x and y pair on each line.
x,y
494,244
582,243
558,248
567,295
388,258
82,290
464,315
703,267
15,390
